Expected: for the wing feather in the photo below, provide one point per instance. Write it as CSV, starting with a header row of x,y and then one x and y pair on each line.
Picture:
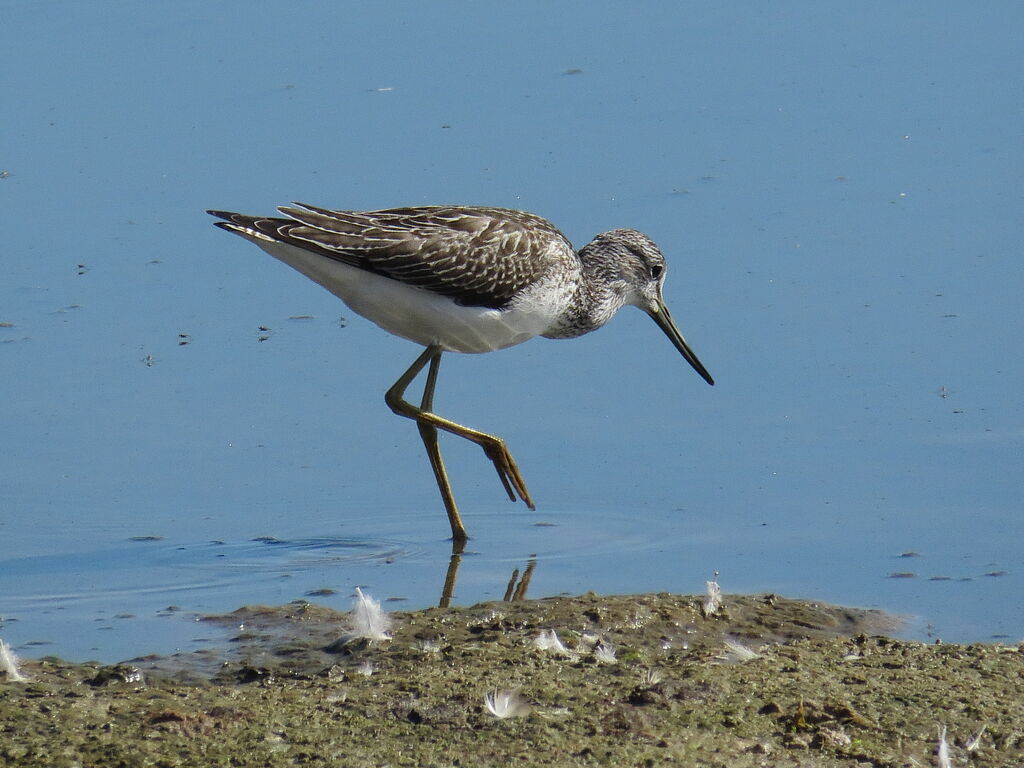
x,y
477,256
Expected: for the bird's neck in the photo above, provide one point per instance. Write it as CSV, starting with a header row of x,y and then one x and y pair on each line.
x,y
595,301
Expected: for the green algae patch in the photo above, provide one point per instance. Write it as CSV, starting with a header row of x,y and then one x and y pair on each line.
x,y
640,680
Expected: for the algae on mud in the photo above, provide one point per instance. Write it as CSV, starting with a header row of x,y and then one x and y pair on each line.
x,y
823,690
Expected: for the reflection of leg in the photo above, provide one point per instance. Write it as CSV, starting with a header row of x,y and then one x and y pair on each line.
x,y
511,586
453,571
516,588
524,583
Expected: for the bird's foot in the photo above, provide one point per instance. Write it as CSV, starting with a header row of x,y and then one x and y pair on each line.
x,y
508,470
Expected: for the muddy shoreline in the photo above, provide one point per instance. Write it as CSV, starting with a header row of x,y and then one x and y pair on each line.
x,y
639,680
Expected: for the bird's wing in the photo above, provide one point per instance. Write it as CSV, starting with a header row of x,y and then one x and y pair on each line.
x,y
477,256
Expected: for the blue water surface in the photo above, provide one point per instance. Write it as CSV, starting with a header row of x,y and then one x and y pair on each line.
x,y
189,426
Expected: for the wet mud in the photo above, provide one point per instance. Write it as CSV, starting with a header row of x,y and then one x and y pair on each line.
x,y
639,680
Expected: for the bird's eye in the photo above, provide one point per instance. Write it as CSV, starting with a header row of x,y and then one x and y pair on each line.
x,y
656,270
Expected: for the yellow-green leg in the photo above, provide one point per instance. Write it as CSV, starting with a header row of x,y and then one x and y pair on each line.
x,y
428,423
429,434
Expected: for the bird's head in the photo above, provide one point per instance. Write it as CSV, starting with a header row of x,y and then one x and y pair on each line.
x,y
630,264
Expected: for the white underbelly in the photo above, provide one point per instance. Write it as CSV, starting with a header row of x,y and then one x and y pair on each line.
x,y
417,314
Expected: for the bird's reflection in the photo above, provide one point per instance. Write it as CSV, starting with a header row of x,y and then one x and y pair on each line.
x,y
514,591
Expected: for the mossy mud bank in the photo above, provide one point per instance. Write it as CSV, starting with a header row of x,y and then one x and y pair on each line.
x,y
643,680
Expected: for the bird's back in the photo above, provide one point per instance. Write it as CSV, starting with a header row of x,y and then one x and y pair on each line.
x,y
476,256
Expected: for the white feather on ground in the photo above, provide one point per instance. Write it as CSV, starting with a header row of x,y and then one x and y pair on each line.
x,y
604,652
548,640
942,753
736,653
9,664
505,704
368,620
713,602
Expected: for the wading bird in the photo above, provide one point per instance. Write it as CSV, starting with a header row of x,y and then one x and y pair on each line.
x,y
465,279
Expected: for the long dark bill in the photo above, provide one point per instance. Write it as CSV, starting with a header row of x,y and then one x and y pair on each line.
x,y
664,320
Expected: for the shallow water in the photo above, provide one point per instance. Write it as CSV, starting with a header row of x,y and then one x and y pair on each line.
x,y
835,189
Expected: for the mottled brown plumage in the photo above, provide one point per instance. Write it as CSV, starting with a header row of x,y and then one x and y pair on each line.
x,y
456,251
